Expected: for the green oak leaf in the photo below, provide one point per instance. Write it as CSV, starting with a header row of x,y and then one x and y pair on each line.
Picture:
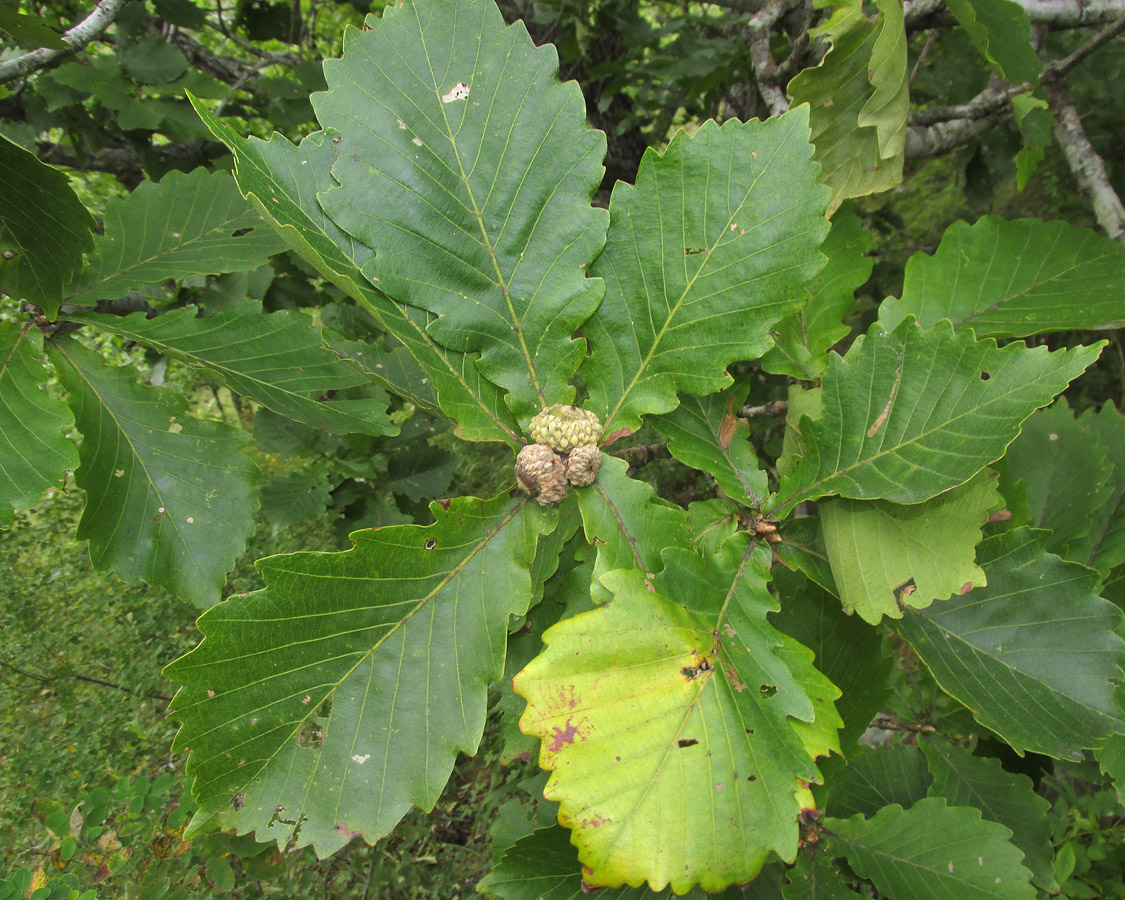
x,y
283,182
544,866
43,226
877,778
1014,278
185,225
706,433
911,413
1103,546
626,522
1005,797
803,339
1111,758
854,156
814,877
1057,475
169,498
29,31
323,707
932,852
35,454
1001,31
296,497
279,359
710,249
802,550
886,108
468,168
669,719
886,556
1033,654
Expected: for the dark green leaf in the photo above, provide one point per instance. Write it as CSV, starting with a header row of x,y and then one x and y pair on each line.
x,y
279,359
296,497
185,225
814,877
43,227
1005,797
180,12
913,413
1013,279
153,61
321,708
704,256
283,182
169,498
932,852
878,778
1033,654
30,31
1001,30
34,452
468,168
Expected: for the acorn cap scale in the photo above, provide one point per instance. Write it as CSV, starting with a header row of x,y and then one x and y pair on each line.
x,y
562,428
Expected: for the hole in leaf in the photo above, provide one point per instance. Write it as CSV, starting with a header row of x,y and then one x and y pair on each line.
x,y
984,376
749,730
768,690
694,251
310,736
751,777
431,543
686,742
238,801
241,231
325,709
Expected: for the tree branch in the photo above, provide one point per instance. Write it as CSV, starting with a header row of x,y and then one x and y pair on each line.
x,y
1086,165
1072,13
77,37
984,104
765,69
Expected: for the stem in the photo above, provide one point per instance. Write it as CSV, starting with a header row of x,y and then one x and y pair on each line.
x,y
77,37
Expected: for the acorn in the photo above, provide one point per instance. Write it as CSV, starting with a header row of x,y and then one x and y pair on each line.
x,y
541,473
582,465
562,427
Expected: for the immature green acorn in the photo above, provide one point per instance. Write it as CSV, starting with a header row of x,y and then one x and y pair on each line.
x,y
562,427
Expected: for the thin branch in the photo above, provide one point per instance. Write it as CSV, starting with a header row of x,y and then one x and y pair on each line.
x,y
1072,13
1054,71
931,39
765,69
77,38
773,408
984,104
44,679
641,455
939,139
1086,165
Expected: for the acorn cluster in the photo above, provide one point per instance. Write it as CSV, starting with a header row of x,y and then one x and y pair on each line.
x,y
565,452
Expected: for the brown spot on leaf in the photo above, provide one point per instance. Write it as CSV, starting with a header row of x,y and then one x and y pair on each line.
x,y
563,736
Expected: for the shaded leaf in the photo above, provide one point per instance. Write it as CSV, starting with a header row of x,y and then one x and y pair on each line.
x,y
279,359
913,413
1033,654
153,61
802,549
1014,278
838,91
544,866
803,339
321,708
627,523
44,224
30,31
707,434
283,182
1001,31
668,721
932,852
886,108
169,498
814,877
468,168
1111,758
886,556
34,452
423,473
877,778
185,225
296,497
703,257
1005,797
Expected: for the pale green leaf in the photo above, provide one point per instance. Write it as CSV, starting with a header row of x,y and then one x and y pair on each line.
x,y
707,434
34,452
877,778
296,497
283,182
1058,475
1005,797
667,720
886,108
321,708
626,522
169,498
848,651
1001,31
838,91
1033,654
544,866
468,168
932,852
43,224
1014,278
913,413
886,556
279,359
185,225
710,249
802,340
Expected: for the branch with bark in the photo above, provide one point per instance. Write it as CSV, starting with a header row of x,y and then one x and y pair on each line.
x,y
78,37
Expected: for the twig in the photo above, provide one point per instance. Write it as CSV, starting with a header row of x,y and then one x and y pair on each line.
x,y
773,408
1054,71
1086,165
984,104
43,679
931,39
642,454
1071,13
77,38
765,69
890,723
